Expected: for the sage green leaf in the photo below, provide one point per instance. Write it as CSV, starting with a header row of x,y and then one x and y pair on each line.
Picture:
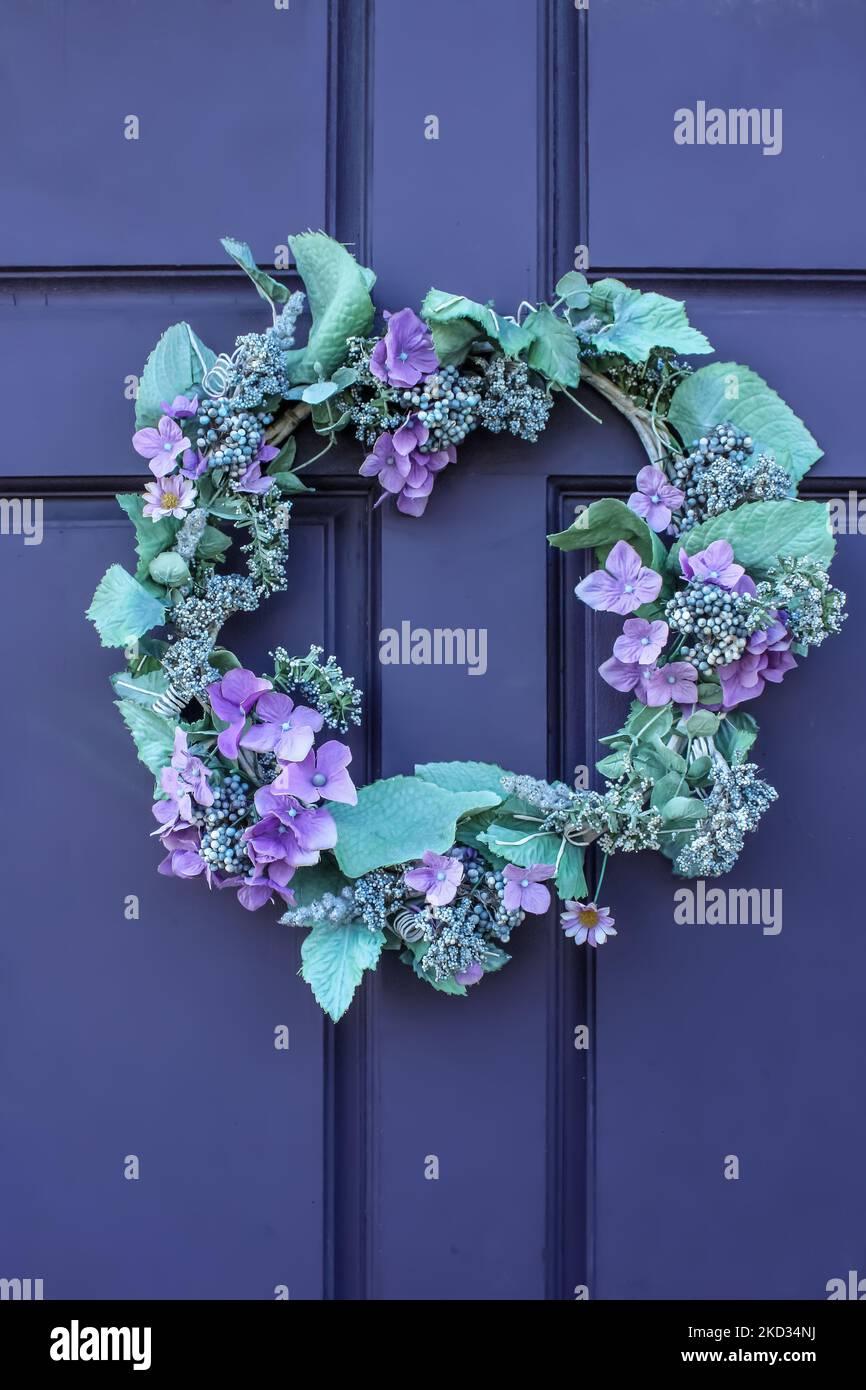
x,y
642,322
464,777
169,569
710,692
142,689
493,959
611,767
285,458
453,340
319,391
699,770
760,532
340,303
269,288
570,877
414,955
604,523
152,735
176,367
311,884
442,308
736,735
702,724
213,544
397,820
290,482
151,537
470,831
521,844
333,961
644,720
705,399
122,609
665,789
223,660
574,289
553,347
227,509
683,812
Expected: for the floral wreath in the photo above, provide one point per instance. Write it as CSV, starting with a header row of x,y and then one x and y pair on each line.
x,y
718,570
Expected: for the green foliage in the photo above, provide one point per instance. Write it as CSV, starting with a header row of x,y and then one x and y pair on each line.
x,y
705,399
762,531
574,288
642,322
169,569
152,735
414,955
122,609
176,367
520,843
312,883
464,315
702,724
397,820
333,961
683,813
269,289
737,733
604,523
338,290
553,349
464,777
142,689
151,537
570,876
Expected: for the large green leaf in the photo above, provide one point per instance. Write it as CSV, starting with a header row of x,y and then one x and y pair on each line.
x,y
521,844
570,877
553,347
269,288
760,532
153,736
642,322
142,689
726,391
398,820
604,523
338,290
176,366
440,308
122,609
333,961
151,537
464,777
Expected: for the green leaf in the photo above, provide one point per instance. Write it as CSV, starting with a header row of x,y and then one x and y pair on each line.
x,y
464,777
574,289
760,532
227,509
710,692
644,720
683,812
311,884
142,689
699,771
665,788
339,296
642,322
290,482
414,956
151,537
176,367
736,735
398,820
223,660
570,877
520,845
285,458
453,340
213,544
604,523
333,961
702,724
611,767
553,347
493,959
153,736
319,391
269,289
169,569
122,610
440,307
704,400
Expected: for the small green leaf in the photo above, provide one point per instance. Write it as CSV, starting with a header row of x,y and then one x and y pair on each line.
x,y
176,367
604,523
285,458
553,347
642,322
574,289
223,660
338,290
683,813
612,767
334,959
702,724
213,544
736,735
453,340
521,844
169,569
122,610
710,692
151,537
152,734
311,884
570,877
269,289
699,770
319,391
142,689
442,308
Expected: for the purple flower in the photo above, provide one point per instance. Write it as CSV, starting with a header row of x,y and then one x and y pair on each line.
x,y
524,890
767,658
253,480
437,877
194,464
181,408
185,780
411,435
231,699
403,470
161,445
183,859
320,774
677,681
641,641
622,675
275,845
471,975
168,497
260,886
656,498
406,352
623,585
584,922
287,729
313,829
713,565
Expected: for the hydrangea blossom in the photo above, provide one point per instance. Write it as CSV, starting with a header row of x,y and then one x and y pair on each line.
x,y
320,775
623,585
524,888
656,498
714,565
641,641
181,408
286,729
161,445
406,353
437,876
232,699
403,470
767,658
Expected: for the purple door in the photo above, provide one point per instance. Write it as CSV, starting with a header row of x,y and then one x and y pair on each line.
x,y
265,1171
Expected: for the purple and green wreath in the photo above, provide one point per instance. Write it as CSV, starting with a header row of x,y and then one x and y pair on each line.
x,y
718,571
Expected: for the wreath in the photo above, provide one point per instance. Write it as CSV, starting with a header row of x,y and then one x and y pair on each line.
x,y
717,570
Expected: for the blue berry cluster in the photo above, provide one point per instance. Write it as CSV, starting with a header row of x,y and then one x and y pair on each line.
x,y
720,473
715,623
222,829
447,404
230,438
510,402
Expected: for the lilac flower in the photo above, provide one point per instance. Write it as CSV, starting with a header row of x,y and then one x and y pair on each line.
x,y
713,565
677,681
622,675
767,658
411,435
438,877
406,352
168,497
471,975
623,585
584,922
524,890
183,859
641,641
232,699
313,829
286,729
656,498
184,780
259,887
270,843
409,476
161,445
320,774
181,408
252,479
194,464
